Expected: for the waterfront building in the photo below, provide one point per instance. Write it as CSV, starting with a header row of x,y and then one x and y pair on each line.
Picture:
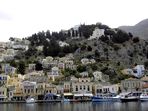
x,y
82,88
105,88
67,87
3,93
131,85
50,88
40,90
29,88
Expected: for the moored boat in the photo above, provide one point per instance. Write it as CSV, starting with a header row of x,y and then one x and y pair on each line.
x,y
128,97
30,100
106,98
144,97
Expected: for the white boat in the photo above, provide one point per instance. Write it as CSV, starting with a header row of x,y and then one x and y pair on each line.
x,y
30,100
144,97
131,96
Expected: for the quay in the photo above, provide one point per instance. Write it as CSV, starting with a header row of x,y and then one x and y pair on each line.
x,y
44,101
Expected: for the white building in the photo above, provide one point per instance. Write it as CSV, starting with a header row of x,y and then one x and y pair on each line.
x,y
137,71
106,88
97,33
84,74
55,71
85,61
99,76
9,69
62,44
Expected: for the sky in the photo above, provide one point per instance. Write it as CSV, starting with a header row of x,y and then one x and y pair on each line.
x,y
22,18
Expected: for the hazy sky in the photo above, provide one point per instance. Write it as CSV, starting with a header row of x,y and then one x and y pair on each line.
x,y
22,18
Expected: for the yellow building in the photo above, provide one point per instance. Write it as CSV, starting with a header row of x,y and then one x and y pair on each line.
x,y
17,92
50,88
3,93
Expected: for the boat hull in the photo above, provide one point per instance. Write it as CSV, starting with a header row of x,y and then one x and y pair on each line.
x,y
106,99
30,100
143,99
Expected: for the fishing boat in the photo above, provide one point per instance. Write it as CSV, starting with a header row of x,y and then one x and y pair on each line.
x,y
106,98
130,96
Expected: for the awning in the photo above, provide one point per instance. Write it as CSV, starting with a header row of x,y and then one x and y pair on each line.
x,y
78,95
3,96
58,95
68,94
89,94
86,94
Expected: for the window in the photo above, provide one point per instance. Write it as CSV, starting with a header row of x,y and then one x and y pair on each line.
x,y
80,87
76,88
107,89
88,89
25,90
84,87
112,89
127,84
31,90
133,85
98,90
65,86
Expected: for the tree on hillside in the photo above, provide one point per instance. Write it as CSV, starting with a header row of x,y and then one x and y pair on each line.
x,y
89,48
13,63
51,49
136,39
81,68
38,66
21,67
48,35
120,36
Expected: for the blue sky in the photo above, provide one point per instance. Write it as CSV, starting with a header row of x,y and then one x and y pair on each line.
x,y
21,18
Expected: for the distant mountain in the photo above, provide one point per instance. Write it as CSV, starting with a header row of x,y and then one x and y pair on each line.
x,y
140,29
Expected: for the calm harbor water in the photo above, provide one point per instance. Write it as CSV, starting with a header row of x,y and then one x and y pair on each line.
x,y
88,106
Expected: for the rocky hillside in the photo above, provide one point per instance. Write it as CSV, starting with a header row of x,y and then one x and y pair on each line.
x,y
113,49
140,29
